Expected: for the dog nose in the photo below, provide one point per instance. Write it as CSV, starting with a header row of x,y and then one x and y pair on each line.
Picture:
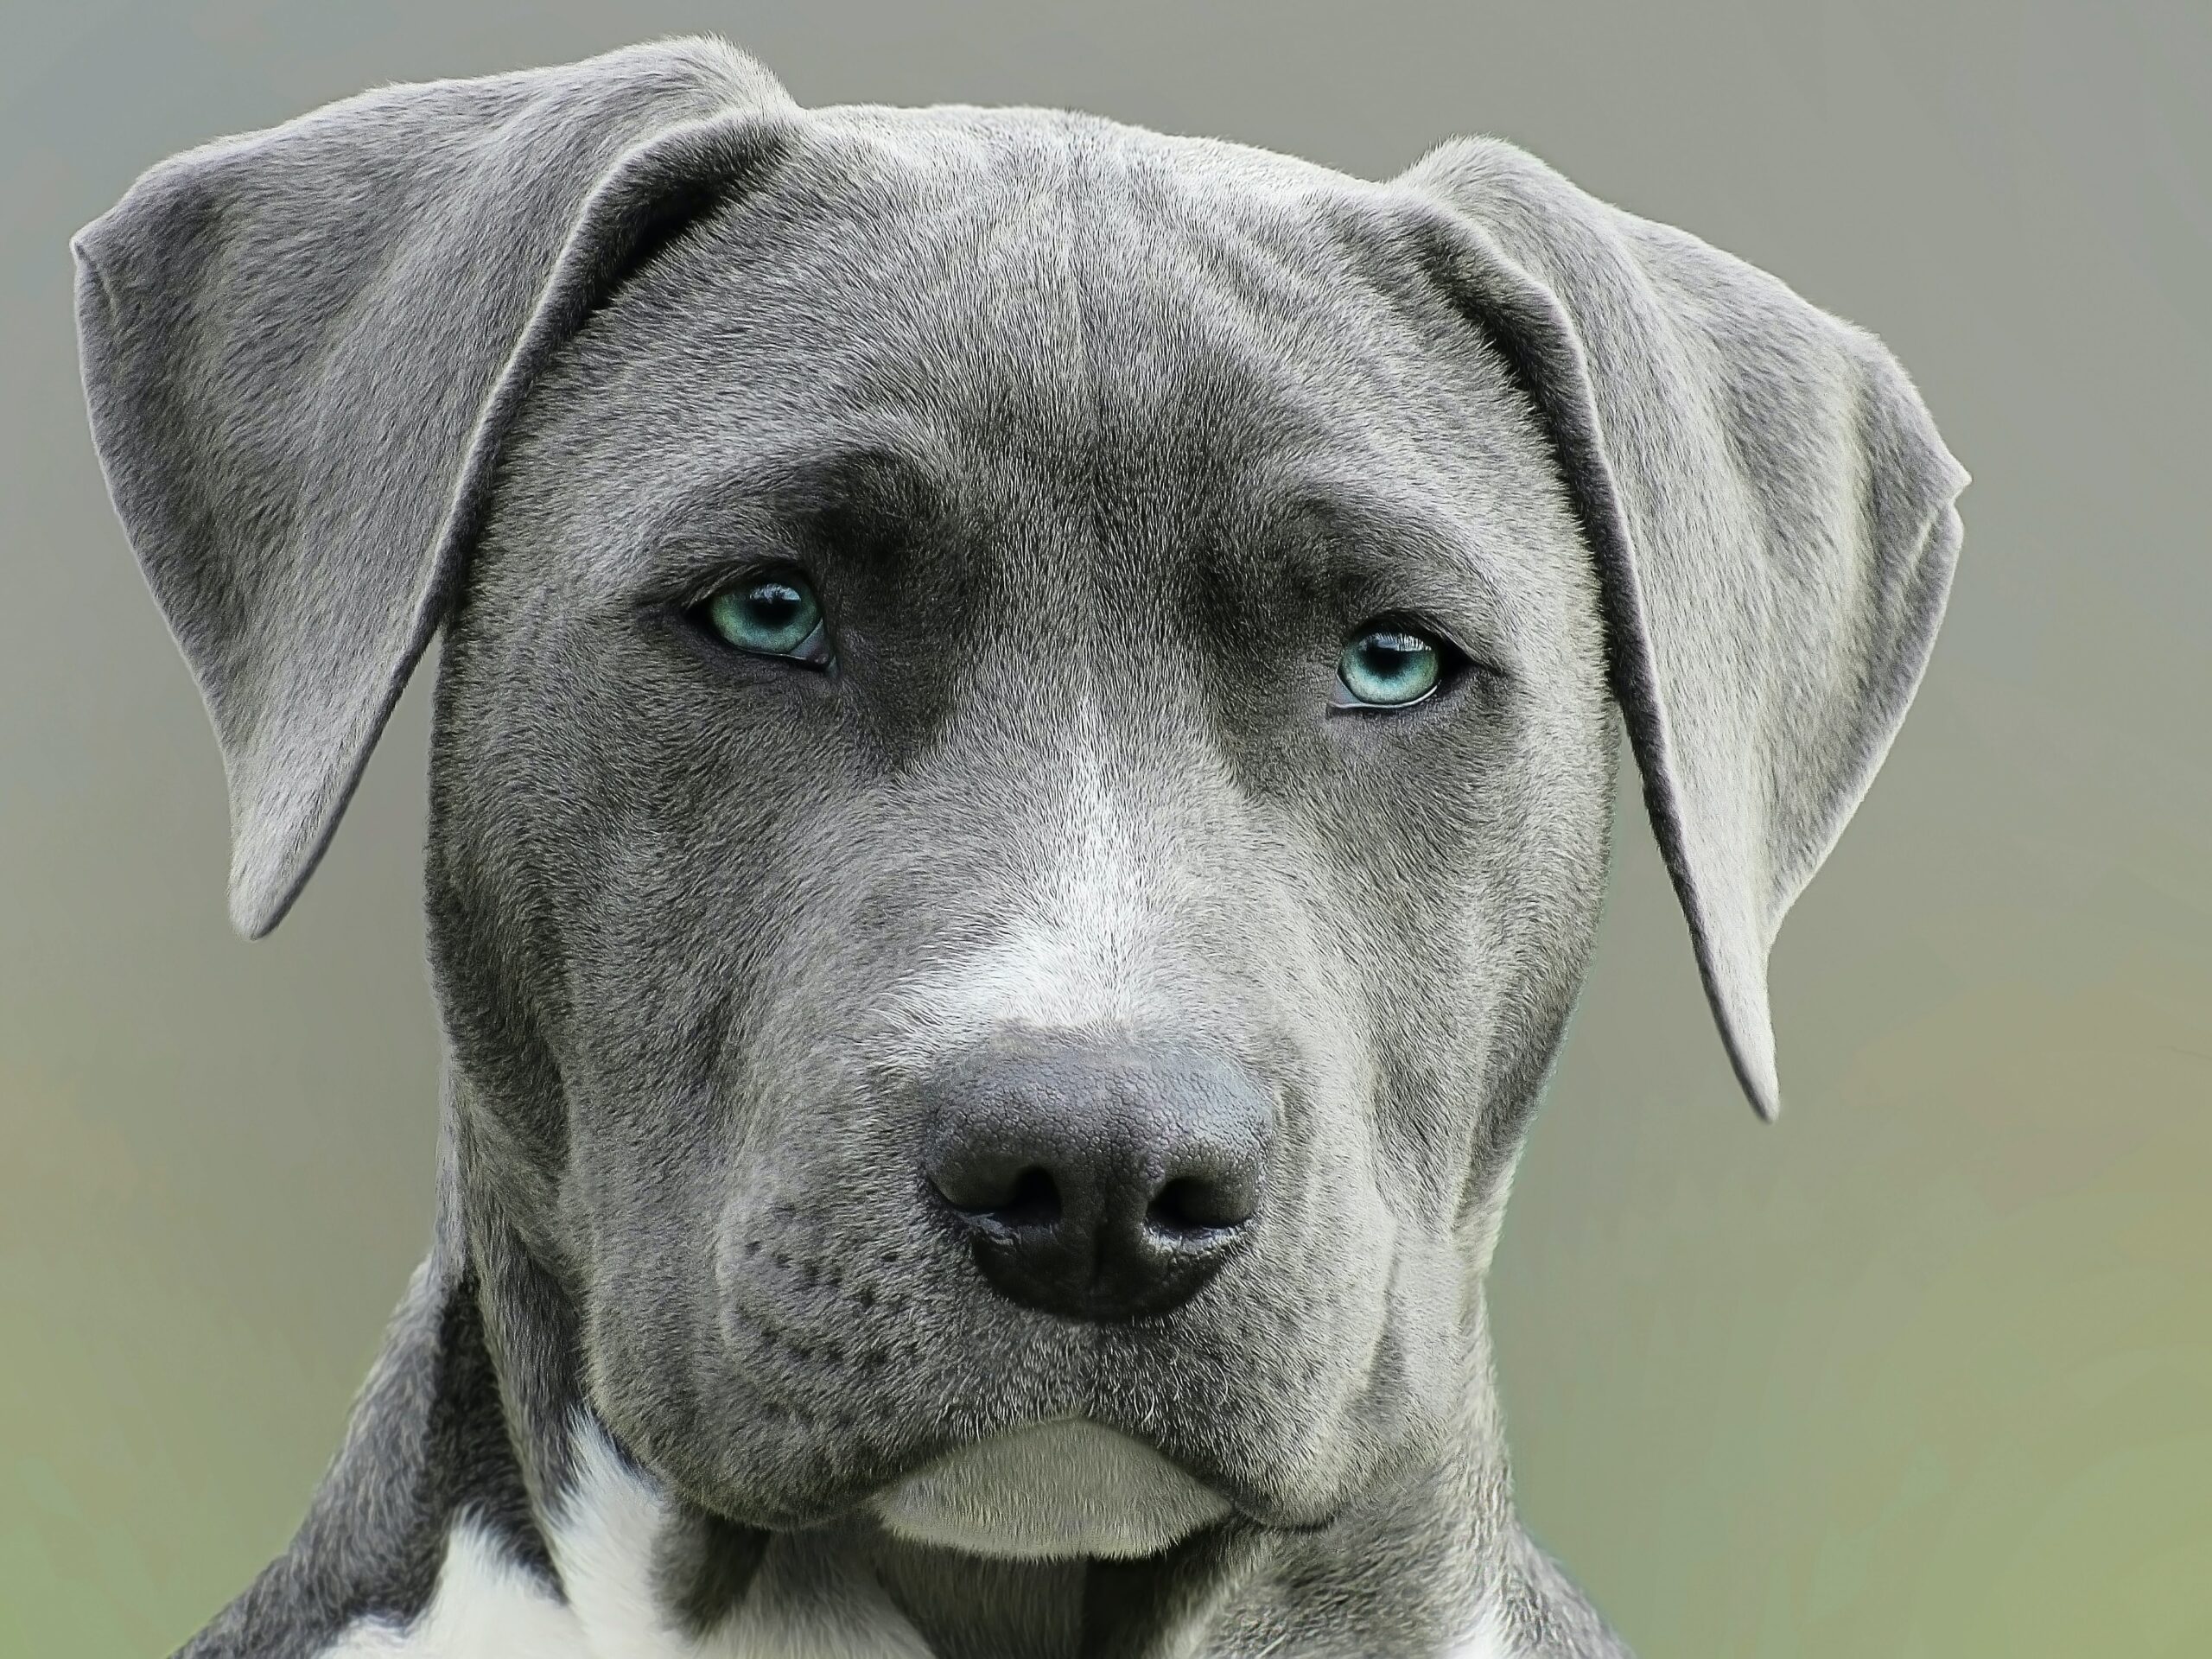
x,y
1101,1179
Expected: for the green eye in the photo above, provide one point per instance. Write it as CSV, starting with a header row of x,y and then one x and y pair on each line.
x,y
777,616
1387,668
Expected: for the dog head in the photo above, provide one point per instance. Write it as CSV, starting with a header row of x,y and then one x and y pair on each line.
x,y
1025,726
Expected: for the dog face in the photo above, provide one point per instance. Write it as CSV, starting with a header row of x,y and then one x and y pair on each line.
x,y
1023,743
1093,483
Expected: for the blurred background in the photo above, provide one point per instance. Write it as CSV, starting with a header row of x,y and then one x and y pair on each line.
x,y
1924,1370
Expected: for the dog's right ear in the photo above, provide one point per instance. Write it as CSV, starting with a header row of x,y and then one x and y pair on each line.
x,y
303,346
1770,509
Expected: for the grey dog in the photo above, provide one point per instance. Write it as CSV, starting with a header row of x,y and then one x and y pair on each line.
x,y
1021,793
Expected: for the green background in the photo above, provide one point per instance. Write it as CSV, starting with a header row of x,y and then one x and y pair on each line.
x,y
1924,1370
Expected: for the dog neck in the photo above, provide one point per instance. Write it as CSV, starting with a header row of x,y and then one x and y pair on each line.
x,y
478,1504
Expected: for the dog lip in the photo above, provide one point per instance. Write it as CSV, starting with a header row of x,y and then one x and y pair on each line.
x,y
928,1451
1246,1496
1246,1502
1065,1489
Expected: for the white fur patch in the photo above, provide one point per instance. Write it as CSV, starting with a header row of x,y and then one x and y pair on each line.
x,y
1082,953
1487,1640
1053,1492
488,1607
601,1541
486,1604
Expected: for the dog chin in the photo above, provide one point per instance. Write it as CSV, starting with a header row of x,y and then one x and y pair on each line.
x,y
1053,1491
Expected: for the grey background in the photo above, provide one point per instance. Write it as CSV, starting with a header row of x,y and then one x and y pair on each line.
x,y
1925,1369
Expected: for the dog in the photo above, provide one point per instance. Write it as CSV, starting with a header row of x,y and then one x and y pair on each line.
x,y
1025,733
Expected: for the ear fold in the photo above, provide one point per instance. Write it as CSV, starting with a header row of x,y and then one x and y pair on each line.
x,y
300,350
1770,512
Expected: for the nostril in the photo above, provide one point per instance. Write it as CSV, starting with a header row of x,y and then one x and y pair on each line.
x,y
1035,1202
1187,1205
1024,1195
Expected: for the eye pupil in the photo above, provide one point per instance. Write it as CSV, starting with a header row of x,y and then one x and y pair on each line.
x,y
771,618
1387,668
773,604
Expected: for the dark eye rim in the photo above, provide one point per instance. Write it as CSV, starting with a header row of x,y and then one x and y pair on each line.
x,y
1453,667
814,651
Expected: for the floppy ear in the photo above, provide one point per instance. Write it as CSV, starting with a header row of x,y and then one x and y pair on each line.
x,y
1770,513
301,348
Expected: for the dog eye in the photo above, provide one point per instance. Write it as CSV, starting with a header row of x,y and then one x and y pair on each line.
x,y
1389,667
771,616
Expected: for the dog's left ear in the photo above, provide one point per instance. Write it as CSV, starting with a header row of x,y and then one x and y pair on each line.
x,y
302,347
1770,510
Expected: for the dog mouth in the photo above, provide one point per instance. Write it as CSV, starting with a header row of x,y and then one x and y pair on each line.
x,y
1056,1490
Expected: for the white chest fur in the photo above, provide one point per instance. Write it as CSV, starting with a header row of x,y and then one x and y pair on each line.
x,y
486,1606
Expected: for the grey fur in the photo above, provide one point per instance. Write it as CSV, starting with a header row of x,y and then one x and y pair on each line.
x,y
1097,443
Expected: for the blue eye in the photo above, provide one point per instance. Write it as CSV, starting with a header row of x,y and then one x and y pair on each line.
x,y
775,616
1387,668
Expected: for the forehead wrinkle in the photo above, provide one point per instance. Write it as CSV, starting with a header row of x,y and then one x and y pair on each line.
x,y
982,308
1282,325
1369,543
1237,338
913,254
888,461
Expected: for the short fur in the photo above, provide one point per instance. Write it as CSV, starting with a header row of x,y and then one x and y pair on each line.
x,y
1098,444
